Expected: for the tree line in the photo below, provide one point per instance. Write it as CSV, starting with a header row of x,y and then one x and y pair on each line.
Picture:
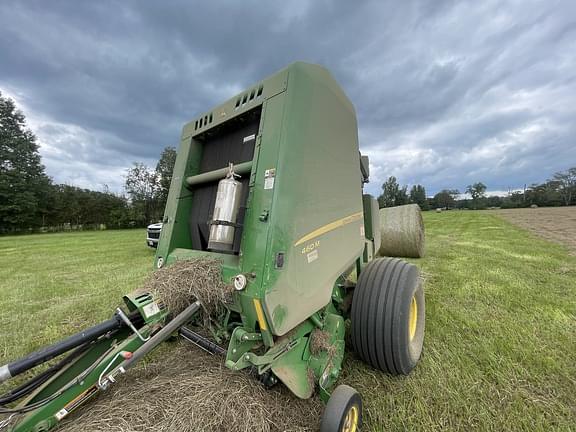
x,y
31,201
560,190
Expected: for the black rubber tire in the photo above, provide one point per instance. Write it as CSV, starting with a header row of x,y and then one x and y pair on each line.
x,y
342,400
380,318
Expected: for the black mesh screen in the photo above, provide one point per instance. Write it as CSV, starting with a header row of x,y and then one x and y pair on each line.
x,y
220,146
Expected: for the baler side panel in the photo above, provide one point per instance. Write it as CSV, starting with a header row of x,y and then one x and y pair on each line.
x,y
316,217
175,232
254,256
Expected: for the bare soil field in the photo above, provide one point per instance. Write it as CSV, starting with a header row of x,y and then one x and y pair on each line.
x,y
553,223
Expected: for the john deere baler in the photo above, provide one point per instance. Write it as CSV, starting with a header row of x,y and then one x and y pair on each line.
x,y
269,185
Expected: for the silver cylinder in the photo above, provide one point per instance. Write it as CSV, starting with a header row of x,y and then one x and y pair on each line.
x,y
222,227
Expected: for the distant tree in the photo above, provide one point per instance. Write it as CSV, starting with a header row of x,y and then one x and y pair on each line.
x,y
390,189
76,206
446,198
477,191
164,170
545,194
22,179
402,196
143,188
418,196
494,201
393,194
513,200
566,182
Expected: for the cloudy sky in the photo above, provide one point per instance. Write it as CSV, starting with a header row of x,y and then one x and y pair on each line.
x,y
447,92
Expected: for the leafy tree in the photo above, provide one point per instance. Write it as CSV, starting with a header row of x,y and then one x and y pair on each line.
x,y
418,196
22,179
164,170
545,194
392,194
143,188
446,198
494,201
402,196
76,206
477,191
566,182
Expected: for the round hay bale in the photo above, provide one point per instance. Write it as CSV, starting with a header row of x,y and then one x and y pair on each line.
x,y
402,232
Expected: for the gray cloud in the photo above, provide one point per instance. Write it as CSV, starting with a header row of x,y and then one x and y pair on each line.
x,y
446,92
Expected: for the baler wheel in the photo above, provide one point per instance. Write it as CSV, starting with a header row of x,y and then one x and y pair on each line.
x,y
343,412
388,313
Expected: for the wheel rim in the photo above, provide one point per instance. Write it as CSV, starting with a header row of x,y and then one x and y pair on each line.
x,y
351,420
413,318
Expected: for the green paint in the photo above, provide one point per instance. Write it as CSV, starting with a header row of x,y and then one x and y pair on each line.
x,y
279,315
103,356
308,135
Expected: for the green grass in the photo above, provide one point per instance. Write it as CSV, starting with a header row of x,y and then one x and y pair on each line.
x,y
500,347
56,284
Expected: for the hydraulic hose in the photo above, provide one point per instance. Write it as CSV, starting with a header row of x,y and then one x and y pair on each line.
x,y
45,354
31,385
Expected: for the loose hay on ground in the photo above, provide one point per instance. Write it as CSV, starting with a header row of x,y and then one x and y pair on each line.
x,y
186,281
188,390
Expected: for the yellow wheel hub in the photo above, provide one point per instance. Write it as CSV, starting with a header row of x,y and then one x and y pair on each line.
x,y
413,318
351,420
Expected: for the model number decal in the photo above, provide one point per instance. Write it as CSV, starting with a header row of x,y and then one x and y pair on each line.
x,y
310,247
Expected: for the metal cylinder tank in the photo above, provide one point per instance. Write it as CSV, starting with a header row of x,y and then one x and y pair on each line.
x,y
223,225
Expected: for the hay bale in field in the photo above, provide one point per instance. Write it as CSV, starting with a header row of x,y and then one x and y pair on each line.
x,y
186,281
402,232
187,390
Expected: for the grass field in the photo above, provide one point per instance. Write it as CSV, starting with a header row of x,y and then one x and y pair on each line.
x,y
500,347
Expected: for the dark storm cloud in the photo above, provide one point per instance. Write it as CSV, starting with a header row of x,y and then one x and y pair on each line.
x,y
447,92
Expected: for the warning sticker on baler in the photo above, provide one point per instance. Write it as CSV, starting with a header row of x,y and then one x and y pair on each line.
x,y
269,176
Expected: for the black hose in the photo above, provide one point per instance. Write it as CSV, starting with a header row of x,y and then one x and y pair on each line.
x,y
201,341
32,384
48,353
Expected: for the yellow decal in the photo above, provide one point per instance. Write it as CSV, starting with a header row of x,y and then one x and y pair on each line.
x,y
260,314
330,227
310,247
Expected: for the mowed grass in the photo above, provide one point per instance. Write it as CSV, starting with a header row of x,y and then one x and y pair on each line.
x,y
53,285
500,346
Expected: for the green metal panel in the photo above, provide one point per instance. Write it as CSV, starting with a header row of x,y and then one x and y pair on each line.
x,y
316,215
372,220
102,353
305,198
